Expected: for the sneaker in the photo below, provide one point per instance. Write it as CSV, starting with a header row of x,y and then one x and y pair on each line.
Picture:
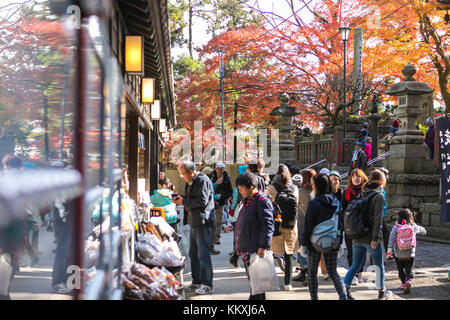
x,y
384,293
204,290
61,288
403,286
349,295
360,277
192,287
287,287
326,276
407,288
215,252
301,276
355,281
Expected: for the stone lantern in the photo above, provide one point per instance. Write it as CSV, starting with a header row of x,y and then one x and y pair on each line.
x,y
412,180
285,114
408,152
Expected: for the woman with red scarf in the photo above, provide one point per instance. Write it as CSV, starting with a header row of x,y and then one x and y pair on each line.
x,y
356,180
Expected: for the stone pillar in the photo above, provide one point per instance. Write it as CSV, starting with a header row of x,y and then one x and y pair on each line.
x,y
285,115
373,130
412,180
408,153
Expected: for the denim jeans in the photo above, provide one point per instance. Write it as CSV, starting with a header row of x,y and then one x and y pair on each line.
x,y
61,262
302,260
359,253
212,237
199,253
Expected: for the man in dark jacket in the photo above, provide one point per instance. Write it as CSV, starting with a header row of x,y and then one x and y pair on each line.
x,y
429,137
223,191
255,225
198,203
359,158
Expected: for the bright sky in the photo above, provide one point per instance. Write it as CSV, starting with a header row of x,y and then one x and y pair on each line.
x,y
280,7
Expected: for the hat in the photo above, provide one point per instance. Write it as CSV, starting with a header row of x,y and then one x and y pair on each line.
x,y
325,170
207,170
429,121
335,173
242,169
359,143
297,179
220,165
395,123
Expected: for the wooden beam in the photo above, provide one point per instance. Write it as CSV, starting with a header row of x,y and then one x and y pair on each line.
x,y
133,156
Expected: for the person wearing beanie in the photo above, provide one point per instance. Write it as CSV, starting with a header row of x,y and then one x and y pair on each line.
x,y
359,158
429,137
297,179
336,188
207,171
325,171
395,127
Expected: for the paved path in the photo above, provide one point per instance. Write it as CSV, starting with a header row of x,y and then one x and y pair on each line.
x,y
232,284
35,283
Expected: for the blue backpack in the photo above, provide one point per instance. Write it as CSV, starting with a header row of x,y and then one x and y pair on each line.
x,y
326,235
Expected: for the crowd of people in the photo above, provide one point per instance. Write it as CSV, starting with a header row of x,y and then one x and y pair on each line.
x,y
281,214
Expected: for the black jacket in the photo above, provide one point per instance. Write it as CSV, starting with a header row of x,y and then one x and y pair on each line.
x,y
255,225
361,161
224,189
320,209
198,201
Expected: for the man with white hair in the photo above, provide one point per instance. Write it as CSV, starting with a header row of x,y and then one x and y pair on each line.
x,y
198,204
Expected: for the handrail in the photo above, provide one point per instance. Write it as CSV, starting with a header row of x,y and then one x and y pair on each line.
x,y
380,157
40,188
313,165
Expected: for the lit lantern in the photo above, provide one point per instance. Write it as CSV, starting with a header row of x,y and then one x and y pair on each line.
x,y
148,90
156,110
134,55
162,125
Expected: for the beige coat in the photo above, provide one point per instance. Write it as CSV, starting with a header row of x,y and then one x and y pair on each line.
x,y
304,197
287,242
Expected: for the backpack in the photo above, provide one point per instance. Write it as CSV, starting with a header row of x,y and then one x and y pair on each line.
x,y
356,223
286,205
406,238
325,236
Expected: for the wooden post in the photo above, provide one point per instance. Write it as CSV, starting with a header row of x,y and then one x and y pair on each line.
x,y
147,160
133,156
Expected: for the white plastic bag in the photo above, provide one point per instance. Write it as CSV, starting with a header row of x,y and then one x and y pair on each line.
x,y
262,274
5,273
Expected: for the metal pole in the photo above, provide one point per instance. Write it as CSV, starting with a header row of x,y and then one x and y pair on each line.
x,y
235,126
221,68
46,139
61,132
345,88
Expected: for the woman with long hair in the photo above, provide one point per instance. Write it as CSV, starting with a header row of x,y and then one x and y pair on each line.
x,y
285,194
353,191
372,240
305,195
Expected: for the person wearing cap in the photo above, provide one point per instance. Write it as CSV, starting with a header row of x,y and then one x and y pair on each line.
x,y
429,137
222,193
325,171
359,158
336,188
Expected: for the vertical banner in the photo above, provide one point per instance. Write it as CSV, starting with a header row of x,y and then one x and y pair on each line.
x,y
443,131
357,69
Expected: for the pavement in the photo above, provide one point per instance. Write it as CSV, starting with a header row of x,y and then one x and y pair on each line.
x,y
35,283
232,284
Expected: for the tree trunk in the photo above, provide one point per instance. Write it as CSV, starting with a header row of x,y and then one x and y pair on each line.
x,y
190,29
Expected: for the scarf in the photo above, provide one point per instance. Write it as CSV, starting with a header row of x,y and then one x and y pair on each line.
x,y
352,193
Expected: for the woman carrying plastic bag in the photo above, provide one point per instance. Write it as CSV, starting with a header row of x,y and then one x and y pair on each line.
x,y
262,273
255,227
